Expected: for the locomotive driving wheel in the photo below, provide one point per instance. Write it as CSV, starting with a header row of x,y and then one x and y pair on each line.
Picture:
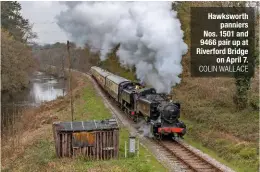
x,y
158,136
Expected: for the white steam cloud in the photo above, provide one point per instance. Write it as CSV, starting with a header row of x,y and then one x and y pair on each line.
x,y
149,34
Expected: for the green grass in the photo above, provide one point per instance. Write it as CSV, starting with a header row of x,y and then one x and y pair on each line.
x,y
242,157
242,124
226,134
41,155
93,105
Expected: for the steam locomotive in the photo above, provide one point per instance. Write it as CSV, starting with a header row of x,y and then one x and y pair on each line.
x,y
138,102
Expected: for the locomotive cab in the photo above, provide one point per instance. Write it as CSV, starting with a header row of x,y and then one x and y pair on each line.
x,y
136,101
129,94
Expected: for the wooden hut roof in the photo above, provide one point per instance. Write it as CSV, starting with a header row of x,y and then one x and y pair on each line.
x,y
94,125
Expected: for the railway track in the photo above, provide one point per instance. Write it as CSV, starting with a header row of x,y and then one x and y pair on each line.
x,y
176,151
188,158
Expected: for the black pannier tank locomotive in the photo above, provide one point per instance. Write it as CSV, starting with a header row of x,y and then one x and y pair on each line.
x,y
139,101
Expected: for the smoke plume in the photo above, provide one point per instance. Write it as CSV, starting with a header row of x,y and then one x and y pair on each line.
x,y
149,34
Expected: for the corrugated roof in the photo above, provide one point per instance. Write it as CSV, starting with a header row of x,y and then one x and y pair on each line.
x,y
94,125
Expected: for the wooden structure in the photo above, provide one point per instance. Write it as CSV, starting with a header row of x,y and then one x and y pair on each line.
x,y
95,140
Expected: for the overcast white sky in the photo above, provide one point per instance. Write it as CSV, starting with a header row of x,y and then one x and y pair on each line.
x,y
42,13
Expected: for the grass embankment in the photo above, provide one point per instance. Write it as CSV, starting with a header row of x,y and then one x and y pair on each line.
x,y
39,153
214,125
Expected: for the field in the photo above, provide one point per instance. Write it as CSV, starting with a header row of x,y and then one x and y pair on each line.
x,y
36,149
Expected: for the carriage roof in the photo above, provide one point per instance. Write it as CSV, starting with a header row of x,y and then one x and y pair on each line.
x,y
116,79
101,71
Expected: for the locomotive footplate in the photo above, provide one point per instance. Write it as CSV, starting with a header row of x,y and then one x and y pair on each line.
x,y
170,130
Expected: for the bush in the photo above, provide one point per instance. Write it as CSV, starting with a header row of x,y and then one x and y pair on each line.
x,y
17,61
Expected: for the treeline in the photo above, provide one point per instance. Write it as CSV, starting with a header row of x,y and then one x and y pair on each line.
x,y
57,55
16,54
